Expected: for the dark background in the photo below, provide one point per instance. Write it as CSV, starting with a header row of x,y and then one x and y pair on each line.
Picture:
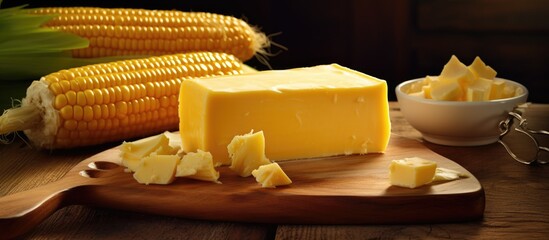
x,y
394,40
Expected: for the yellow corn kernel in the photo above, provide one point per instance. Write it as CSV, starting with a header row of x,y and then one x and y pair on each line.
x,y
51,79
96,112
154,32
60,101
65,85
56,88
98,95
66,112
78,112
80,98
71,125
137,98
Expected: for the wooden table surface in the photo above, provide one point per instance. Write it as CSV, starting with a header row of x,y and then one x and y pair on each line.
x,y
517,199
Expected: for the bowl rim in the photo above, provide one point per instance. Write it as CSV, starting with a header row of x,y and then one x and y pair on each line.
x,y
400,93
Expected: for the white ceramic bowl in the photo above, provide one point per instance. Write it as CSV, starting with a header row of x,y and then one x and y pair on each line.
x,y
455,123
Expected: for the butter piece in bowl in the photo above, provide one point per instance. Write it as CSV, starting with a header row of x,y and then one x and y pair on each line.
x,y
467,106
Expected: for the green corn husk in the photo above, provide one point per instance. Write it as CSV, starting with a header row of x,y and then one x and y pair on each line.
x,y
29,51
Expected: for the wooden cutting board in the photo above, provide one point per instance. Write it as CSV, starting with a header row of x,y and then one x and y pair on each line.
x,y
336,190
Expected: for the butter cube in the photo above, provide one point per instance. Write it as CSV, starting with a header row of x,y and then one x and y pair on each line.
x,y
197,165
427,92
416,87
132,152
426,89
422,88
309,112
479,90
157,169
271,175
481,70
457,82
456,71
498,86
247,153
411,172
476,95
446,90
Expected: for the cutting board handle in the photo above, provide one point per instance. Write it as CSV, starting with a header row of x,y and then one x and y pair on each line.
x,y
22,211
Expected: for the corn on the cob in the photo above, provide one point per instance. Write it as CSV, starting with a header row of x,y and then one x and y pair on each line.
x,y
155,32
113,101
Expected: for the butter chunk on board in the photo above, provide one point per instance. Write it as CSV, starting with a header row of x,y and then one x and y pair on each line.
x,y
318,111
198,165
157,169
271,175
132,153
247,153
411,172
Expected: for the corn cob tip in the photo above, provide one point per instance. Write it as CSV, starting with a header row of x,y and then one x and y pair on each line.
x,y
19,119
34,117
261,41
262,46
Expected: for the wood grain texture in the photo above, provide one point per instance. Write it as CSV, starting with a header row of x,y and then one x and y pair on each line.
x,y
336,190
516,196
516,200
82,222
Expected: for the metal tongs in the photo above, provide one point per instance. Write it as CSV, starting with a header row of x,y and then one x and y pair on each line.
x,y
505,127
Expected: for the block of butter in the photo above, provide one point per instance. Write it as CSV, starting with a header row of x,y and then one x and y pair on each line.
x,y
411,172
309,112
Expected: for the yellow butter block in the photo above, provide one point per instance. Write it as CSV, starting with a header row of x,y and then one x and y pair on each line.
x,y
422,88
458,82
411,172
305,112
456,71
498,86
416,87
430,79
426,92
271,175
247,153
197,165
481,70
479,90
476,95
157,169
426,88
445,90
